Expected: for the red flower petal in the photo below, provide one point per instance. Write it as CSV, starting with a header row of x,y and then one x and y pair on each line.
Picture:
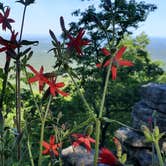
x,y
114,72
7,12
50,147
46,145
92,140
120,53
59,84
83,140
98,65
2,49
46,151
33,79
78,42
125,63
10,20
32,69
52,140
55,152
105,51
107,63
107,157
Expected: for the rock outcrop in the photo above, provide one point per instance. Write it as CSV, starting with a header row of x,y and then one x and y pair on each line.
x,y
150,109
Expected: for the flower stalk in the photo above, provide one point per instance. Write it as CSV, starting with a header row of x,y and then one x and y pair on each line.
x,y
18,93
158,151
42,131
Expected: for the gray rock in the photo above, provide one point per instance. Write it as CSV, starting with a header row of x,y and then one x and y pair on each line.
x,y
142,112
157,107
144,157
78,156
131,138
154,92
153,100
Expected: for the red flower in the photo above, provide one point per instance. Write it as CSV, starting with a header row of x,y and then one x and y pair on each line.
x,y
78,42
50,147
85,140
5,21
9,45
117,60
107,157
38,77
54,87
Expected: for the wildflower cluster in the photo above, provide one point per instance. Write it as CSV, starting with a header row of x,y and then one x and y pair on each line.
x,y
73,45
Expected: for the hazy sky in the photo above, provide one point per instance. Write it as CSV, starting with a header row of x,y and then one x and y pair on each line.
x,y
44,15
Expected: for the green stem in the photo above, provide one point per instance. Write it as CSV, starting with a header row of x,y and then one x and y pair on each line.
x,y
29,146
120,123
98,122
22,24
42,131
18,94
97,138
18,105
30,152
82,96
41,139
161,163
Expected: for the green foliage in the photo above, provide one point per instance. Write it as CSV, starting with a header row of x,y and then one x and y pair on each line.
x,y
113,22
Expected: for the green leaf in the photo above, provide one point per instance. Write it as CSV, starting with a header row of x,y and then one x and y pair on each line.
x,y
161,135
26,51
21,1
53,35
106,119
123,158
27,42
1,6
26,2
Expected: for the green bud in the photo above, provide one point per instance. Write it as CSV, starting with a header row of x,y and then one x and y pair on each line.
x,y
89,130
123,158
147,133
156,133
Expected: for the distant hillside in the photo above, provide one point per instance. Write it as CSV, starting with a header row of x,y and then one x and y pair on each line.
x,y
157,49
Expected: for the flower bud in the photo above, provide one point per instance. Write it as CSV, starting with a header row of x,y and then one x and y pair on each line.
x,y
89,130
156,132
147,133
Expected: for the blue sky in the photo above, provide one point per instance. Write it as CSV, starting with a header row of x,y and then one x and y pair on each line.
x,y
44,15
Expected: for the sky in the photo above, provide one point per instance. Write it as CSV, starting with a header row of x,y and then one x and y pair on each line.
x,y
44,15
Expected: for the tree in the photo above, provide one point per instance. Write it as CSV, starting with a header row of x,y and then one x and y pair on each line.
x,y
114,21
